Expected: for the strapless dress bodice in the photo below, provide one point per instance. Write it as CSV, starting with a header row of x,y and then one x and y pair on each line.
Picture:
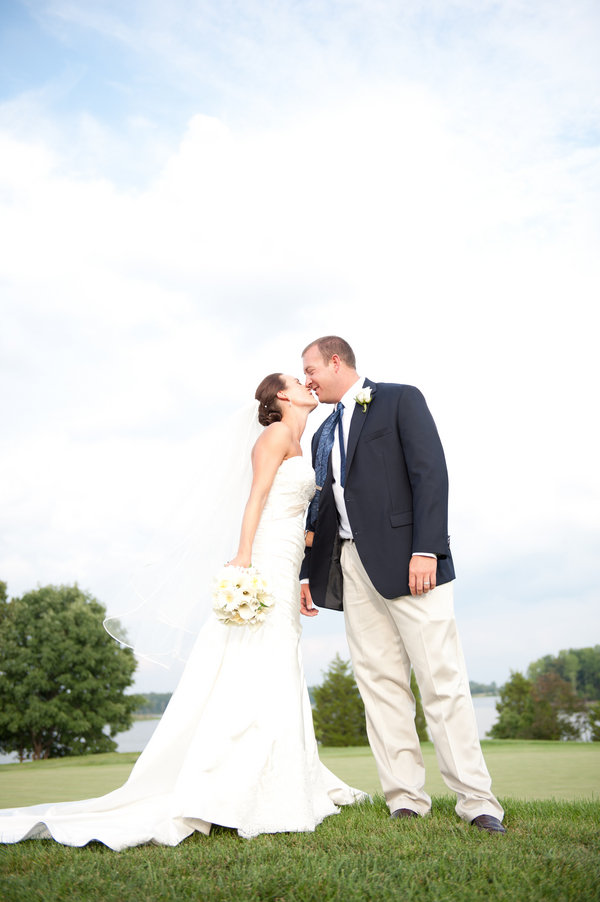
x,y
292,489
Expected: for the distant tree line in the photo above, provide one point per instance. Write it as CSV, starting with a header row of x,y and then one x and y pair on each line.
x,y
338,710
153,703
483,688
559,698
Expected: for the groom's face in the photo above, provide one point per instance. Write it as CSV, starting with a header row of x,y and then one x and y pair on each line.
x,y
322,376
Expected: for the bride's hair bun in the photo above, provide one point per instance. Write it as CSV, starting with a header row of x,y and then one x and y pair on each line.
x,y
269,410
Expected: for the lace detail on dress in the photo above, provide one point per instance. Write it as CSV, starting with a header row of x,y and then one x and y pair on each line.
x,y
293,488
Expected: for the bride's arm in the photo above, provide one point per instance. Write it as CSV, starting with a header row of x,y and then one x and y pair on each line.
x,y
267,456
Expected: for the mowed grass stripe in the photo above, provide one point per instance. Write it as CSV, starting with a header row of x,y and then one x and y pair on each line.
x,y
520,770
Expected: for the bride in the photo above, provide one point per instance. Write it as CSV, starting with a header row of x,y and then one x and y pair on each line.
x,y
236,744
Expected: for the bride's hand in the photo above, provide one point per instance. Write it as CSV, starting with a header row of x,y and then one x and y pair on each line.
x,y
239,561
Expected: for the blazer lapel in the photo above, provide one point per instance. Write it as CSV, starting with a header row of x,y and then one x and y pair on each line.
x,y
359,418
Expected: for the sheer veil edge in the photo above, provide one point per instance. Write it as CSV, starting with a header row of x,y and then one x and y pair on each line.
x,y
169,596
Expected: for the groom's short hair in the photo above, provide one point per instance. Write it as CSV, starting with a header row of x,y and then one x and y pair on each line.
x,y
333,344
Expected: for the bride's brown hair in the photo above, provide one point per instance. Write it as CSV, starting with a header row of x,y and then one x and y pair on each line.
x,y
269,410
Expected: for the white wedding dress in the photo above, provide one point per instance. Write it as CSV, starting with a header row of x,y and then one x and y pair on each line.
x,y
236,745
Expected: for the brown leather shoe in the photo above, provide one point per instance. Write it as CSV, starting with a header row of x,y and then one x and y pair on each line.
x,y
403,812
489,823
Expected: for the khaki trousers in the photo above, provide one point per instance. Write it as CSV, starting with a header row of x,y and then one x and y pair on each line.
x,y
385,638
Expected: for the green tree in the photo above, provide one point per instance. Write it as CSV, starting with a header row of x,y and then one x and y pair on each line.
x,y
579,666
515,709
570,667
339,713
558,711
593,716
420,722
544,708
62,678
588,675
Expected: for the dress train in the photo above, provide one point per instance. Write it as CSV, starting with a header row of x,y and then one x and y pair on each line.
x,y
236,744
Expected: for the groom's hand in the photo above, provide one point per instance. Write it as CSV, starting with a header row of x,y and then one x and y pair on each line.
x,y
306,603
421,574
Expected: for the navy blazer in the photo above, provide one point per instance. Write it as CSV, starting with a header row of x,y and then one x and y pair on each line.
x,y
396,496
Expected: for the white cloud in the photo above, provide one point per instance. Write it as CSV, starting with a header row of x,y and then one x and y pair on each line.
x,y
504,635
435,202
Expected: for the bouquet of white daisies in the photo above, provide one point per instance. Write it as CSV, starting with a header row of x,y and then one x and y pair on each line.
x,y
240,596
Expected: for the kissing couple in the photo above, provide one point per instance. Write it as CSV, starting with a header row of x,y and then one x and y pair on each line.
x,y
364,530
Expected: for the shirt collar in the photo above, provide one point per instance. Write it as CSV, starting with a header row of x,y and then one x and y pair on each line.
x,y
350,395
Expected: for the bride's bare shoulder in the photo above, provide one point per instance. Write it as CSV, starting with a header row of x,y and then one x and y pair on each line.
x,y
276,431
274,438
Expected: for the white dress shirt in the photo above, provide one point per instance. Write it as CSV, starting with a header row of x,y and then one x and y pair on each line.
x,y
338,492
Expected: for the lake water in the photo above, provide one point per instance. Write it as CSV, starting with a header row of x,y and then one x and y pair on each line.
x,y
485,713
135,739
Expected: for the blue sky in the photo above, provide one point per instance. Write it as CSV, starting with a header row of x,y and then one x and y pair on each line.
x,y
190,192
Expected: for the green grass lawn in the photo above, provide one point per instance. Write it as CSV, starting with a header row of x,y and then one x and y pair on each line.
x,y
520,770
551,852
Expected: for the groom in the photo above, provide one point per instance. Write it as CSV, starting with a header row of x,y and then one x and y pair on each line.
x,y
377,528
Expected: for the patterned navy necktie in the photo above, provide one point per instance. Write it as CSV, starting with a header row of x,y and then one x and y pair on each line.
x,y
340,424
322,458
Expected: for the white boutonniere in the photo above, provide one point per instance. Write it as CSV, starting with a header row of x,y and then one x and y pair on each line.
x,y
363,397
